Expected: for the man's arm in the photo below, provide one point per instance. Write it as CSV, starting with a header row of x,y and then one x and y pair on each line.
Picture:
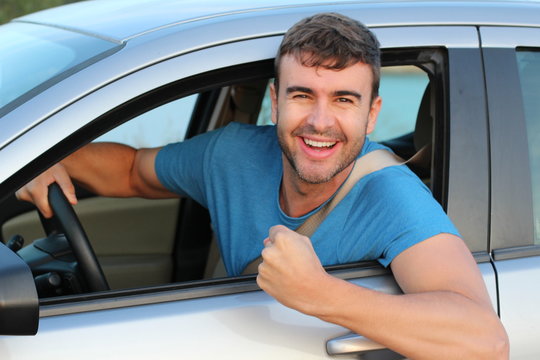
x,y
445,312
108,169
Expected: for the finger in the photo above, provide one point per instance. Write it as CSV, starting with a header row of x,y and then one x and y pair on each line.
x,y
260,282
64,181
22,195
68,189
268,242
38,194
25,194
43,206
278,231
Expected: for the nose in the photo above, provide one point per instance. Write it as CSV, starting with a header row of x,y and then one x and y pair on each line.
x,y
322,116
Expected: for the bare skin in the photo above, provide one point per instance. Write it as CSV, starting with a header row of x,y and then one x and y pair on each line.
x,y
108,169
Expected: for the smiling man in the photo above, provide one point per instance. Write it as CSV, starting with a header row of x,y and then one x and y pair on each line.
x,y
325,102
264,182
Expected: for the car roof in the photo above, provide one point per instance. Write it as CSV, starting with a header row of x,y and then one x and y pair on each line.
x,y
120,20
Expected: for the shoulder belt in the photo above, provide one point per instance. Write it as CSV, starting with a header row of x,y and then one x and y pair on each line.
x,y
367,164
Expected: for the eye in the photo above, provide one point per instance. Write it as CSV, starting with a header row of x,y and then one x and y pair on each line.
x,y
344,100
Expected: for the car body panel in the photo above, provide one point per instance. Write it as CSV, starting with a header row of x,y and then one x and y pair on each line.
x,y
518,311
122,20
252,321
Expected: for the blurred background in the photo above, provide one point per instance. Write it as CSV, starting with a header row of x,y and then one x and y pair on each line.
x,y
10,9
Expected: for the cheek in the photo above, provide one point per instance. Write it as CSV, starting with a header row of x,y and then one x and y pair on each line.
x,y
355,124
290,116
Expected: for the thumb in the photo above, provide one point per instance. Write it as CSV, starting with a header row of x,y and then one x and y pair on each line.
x,y
64,181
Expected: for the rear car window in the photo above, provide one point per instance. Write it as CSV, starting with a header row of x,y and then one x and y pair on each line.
x,y
529,72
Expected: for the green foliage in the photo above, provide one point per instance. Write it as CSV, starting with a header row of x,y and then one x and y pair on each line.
x,y
10,9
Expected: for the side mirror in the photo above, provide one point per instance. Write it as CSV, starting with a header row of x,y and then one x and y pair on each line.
x,y
19,303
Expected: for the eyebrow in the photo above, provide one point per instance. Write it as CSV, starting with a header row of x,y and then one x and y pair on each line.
x,y
306,90
348,93
292,89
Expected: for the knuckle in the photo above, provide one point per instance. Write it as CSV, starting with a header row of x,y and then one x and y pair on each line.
x,y
260,282
265,253
20,194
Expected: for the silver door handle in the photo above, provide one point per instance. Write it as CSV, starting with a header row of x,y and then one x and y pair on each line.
x,y
360,346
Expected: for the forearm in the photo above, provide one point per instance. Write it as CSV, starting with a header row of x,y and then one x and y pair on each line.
x,y
431,325
104,168
107,169
445,313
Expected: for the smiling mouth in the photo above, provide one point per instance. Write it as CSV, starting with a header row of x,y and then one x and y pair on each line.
x,y
319,144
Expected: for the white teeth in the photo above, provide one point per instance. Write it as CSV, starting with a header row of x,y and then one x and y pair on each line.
x,y
319,144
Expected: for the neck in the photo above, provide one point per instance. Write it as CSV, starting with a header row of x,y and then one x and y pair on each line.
x,y
298,197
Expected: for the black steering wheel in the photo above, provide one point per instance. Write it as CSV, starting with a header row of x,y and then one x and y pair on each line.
x,y
68,223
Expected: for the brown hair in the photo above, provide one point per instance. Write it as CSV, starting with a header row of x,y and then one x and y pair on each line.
x,y
332,41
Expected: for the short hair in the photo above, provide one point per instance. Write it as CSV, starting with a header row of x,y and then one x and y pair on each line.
x,y
332,41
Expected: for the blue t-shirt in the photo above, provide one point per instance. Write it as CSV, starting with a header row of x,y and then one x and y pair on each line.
x,y
236,171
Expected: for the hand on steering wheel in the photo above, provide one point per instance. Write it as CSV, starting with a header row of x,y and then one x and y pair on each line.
x,y
70,225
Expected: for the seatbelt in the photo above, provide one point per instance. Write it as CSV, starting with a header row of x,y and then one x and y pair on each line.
x,y
367,164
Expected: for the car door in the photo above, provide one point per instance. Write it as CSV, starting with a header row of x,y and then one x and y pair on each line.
x,y
231,317
512,63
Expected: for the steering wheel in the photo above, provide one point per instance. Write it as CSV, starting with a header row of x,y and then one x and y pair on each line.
x,y
68,223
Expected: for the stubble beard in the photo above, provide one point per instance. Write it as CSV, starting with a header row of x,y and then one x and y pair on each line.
x,y
306,173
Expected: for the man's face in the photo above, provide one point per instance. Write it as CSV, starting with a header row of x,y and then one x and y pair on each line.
x,y
322,117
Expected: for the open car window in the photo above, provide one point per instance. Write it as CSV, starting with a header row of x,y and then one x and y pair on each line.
x,y
160,126
146,243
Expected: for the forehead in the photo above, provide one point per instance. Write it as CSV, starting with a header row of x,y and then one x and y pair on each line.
x,y
294,73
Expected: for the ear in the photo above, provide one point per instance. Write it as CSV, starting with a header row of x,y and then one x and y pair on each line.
x,y
273,98
373,114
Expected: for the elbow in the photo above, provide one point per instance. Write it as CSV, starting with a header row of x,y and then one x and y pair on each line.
x,y
497,344
501,346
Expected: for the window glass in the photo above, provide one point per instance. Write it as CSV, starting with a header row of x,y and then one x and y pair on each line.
x,y
34,57
265,115
160,126
529,71
401,88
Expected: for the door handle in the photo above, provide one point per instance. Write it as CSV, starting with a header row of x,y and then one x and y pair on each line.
x,y
361,347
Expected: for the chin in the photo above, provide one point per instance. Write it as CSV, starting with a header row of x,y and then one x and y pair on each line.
x,y
317,176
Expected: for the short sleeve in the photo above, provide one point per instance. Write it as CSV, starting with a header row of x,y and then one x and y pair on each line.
x,y
408,210
182,167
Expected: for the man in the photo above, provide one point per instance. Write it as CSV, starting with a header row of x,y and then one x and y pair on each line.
x,y
266,181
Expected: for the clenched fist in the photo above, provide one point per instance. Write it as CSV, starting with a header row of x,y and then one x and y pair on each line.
x,y
291,271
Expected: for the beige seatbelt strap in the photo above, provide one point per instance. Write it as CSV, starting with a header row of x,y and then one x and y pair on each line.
x,y
367,164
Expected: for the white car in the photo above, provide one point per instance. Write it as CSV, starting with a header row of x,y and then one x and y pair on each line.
x,y
146,282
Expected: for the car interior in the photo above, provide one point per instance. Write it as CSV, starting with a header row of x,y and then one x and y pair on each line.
x,y
141,243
